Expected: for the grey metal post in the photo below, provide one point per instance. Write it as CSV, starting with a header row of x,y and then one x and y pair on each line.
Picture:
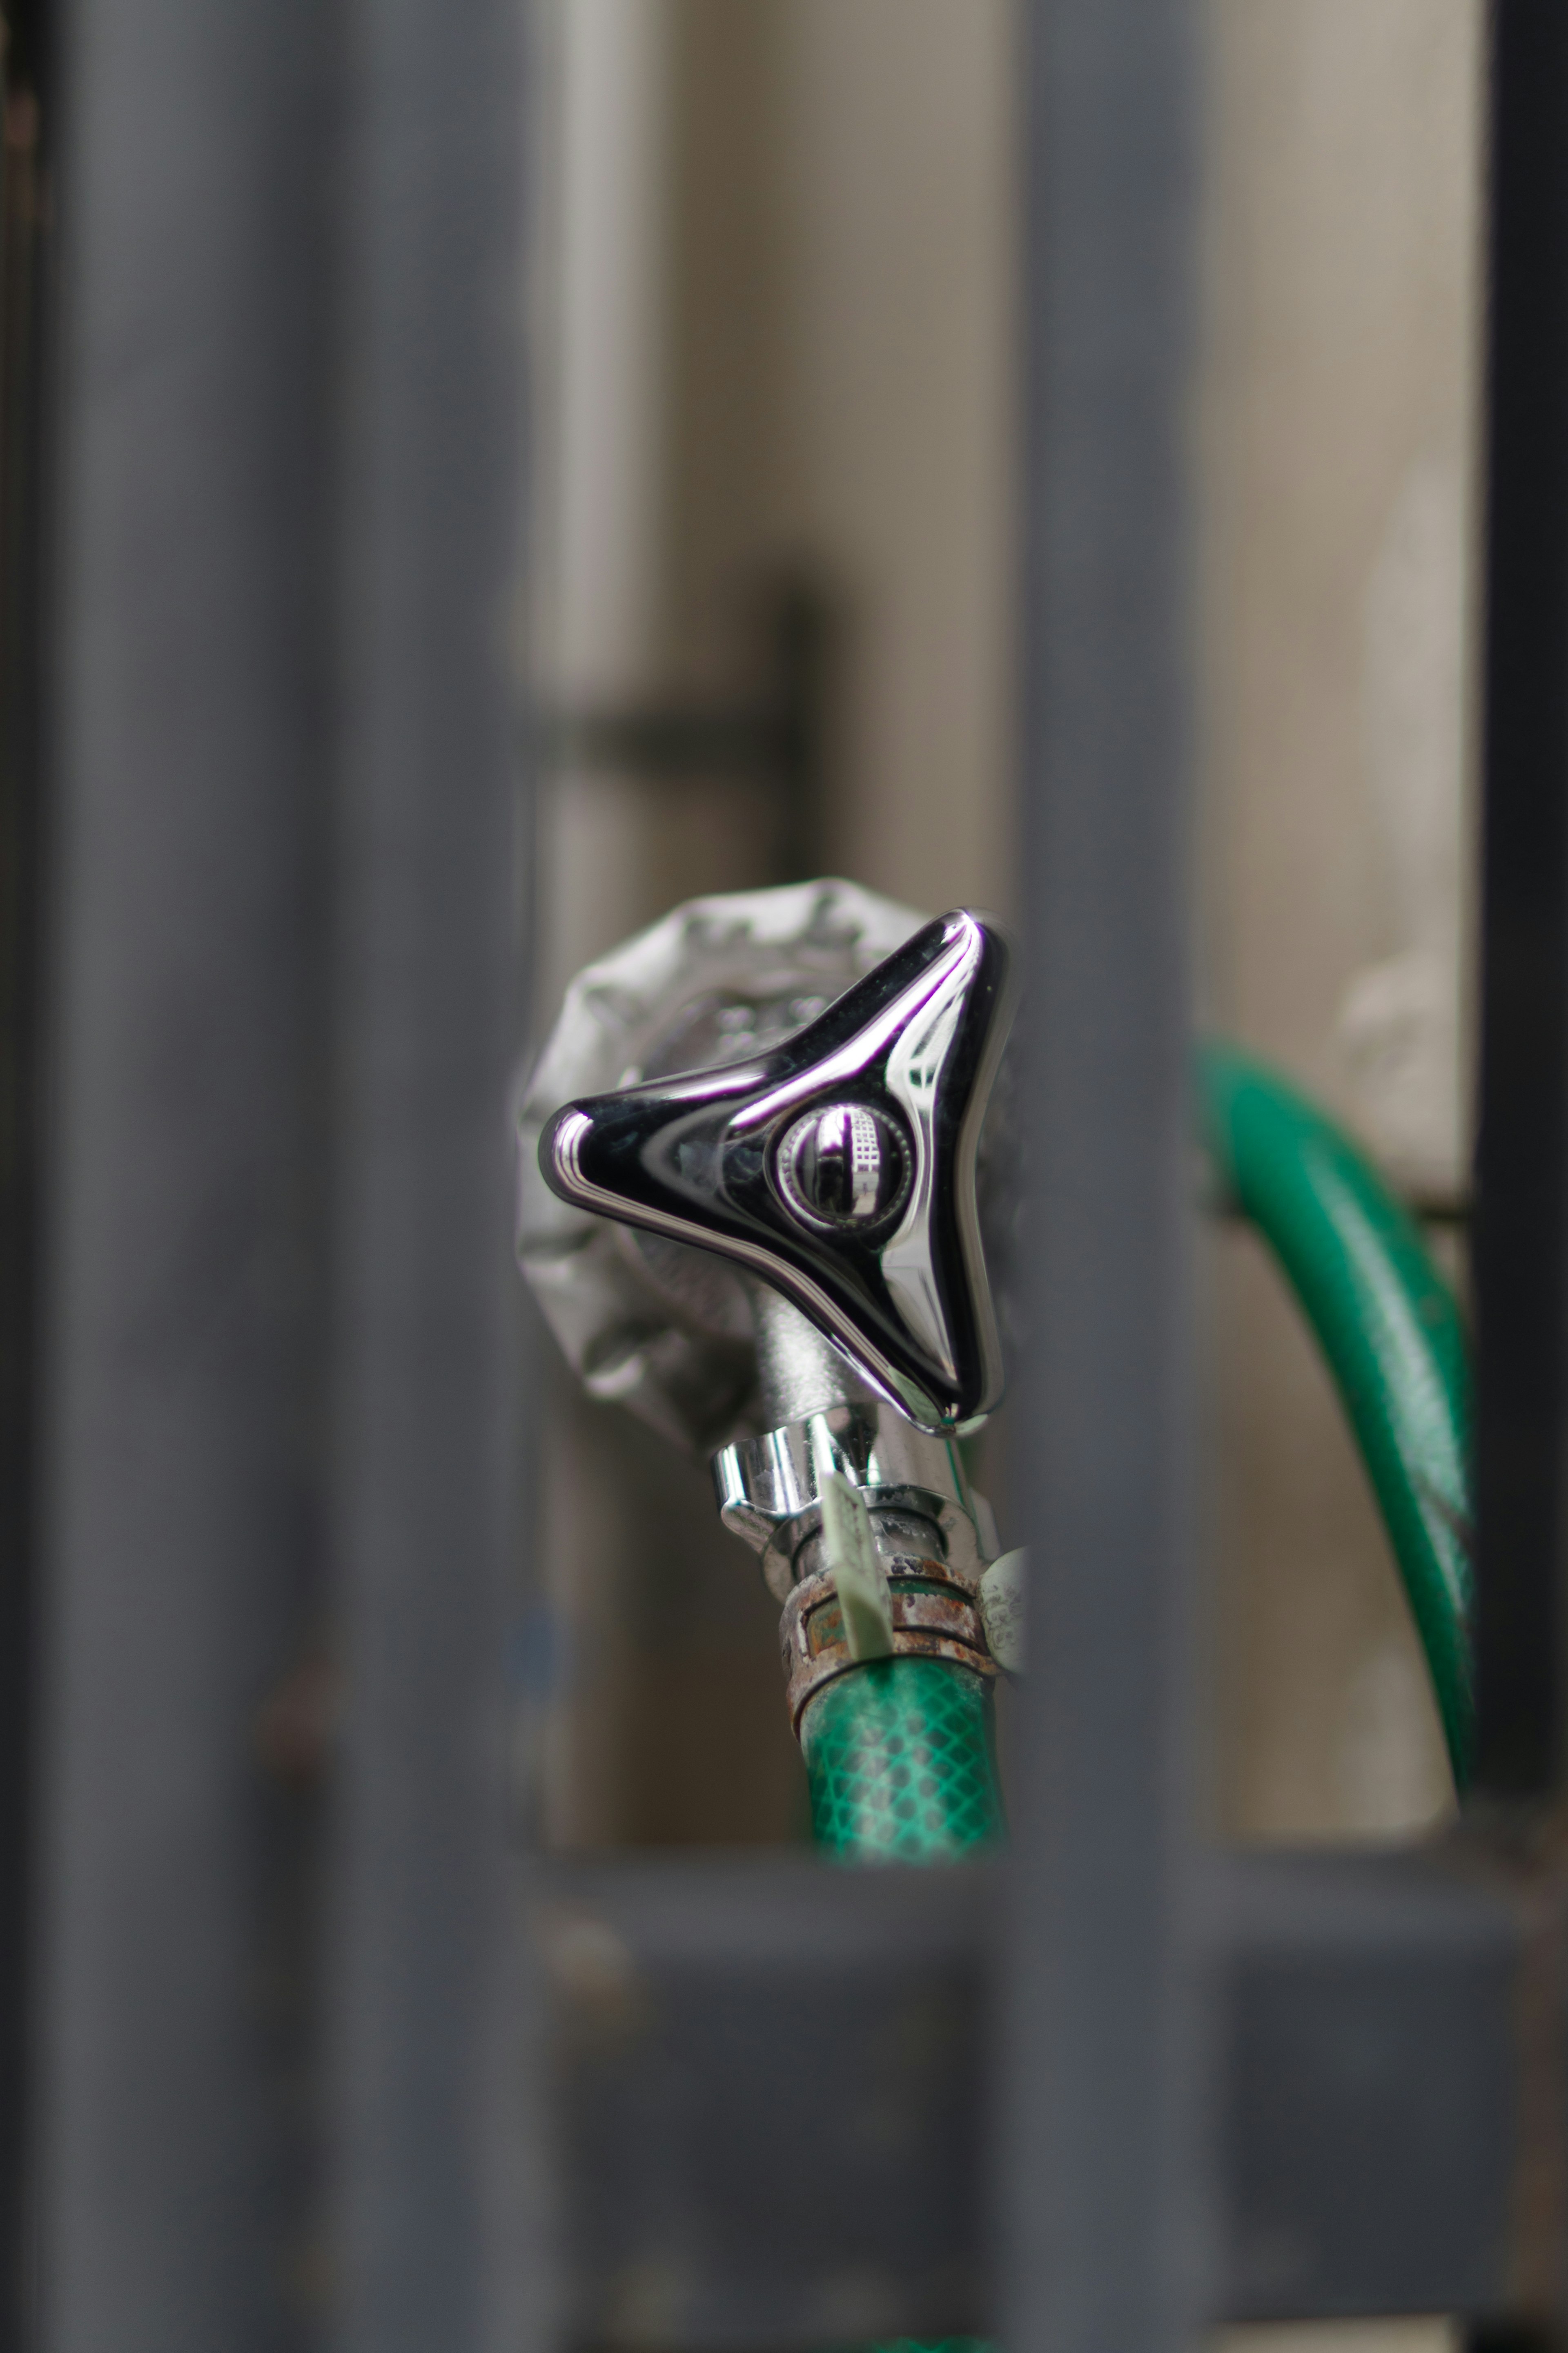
x,y
1521,1241
1520,1254
1099,2153
428,1018
179,1497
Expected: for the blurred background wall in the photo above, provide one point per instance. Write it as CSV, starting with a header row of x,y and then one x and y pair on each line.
x,y
776,271
1339,423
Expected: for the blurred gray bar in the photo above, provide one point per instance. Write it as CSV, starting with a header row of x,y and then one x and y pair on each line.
x,y
428,1018
179,1497
1099,2167
772,2104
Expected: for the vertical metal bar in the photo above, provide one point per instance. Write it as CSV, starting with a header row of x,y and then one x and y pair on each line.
x,y
181,1297
1519,1240
1101,2151
1521,1231
23,247
429,1019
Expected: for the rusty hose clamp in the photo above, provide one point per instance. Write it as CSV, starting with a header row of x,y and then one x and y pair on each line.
x,y
926,1625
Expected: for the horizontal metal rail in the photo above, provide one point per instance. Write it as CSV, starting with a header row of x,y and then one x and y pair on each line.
x,y
773,2095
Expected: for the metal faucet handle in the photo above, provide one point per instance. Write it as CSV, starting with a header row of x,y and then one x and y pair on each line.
x,y
838,1168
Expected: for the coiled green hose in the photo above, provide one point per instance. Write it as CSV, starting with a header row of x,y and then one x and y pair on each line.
x,y
1390,1329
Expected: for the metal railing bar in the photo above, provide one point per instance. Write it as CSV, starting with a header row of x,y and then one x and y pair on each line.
x,y
1522,1226
773,2101
173,2170
24,251
431,2146
1099,2167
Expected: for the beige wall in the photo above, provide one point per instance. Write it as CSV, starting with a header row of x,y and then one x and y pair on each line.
x,y
845,185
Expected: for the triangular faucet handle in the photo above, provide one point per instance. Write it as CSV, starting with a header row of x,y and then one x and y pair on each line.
x,y
839,1168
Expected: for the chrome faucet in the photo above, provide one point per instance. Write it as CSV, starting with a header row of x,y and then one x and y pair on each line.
x,y
749,1212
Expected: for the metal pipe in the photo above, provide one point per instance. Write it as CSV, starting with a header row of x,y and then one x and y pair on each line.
x,y
1102,2171
1520,1239
429,1999
183,1291
798,1370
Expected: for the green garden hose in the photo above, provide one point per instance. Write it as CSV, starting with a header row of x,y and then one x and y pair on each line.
x,y
900,1763
1390,1329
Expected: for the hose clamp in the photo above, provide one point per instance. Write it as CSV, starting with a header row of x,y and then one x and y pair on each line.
x,y
934,1612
